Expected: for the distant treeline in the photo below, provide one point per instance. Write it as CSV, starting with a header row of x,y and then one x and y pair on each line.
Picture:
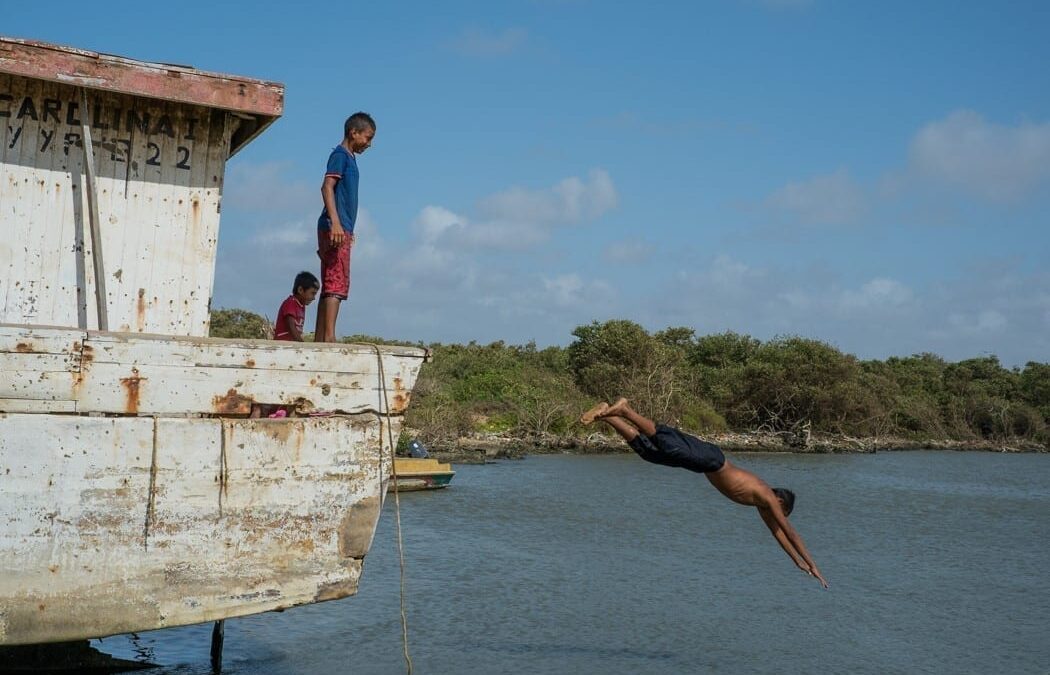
x,y
723,382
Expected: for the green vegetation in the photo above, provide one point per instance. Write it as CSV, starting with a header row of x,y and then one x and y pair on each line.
x,y
240,323
788,385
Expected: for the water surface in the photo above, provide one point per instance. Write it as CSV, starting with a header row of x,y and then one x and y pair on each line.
x,y
938,562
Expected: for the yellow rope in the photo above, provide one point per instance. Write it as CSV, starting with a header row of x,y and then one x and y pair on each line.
x,y
397,499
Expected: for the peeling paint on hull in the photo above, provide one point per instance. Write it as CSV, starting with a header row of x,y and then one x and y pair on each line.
x,y
257,522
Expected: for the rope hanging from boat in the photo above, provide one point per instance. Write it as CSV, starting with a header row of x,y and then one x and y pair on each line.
x,y
397,499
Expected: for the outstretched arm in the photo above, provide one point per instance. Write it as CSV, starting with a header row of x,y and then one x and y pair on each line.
x,y
790,540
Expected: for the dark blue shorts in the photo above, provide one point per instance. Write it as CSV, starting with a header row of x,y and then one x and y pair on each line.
x,y
671,447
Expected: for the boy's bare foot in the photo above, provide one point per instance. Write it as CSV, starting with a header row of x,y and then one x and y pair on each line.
x,y
615,409
595,412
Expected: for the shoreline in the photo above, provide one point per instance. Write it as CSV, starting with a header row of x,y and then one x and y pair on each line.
x,y
482,448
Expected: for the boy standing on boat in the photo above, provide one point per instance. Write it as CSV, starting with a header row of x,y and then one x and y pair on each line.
x,y
661,444
292,314
335,226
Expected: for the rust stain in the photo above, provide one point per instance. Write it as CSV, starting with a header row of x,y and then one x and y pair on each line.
x,y
281,431
401,396
357,526
132,386
195,218
250,363
300,405
140,310
335,590
304,545
87,355
232,403
23,347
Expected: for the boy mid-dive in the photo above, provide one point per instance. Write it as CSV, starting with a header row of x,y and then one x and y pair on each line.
x,y
661,444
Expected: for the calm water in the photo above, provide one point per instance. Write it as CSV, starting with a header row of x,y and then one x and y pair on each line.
x,y
938,562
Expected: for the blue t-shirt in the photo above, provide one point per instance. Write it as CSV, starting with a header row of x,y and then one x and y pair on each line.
x,y
342,165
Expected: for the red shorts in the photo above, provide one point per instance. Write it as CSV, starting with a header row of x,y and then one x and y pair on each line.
x,y
335,266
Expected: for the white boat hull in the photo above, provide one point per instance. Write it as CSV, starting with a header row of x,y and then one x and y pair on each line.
x,y
116,522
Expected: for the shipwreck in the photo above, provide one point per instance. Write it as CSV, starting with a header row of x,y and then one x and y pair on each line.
x,y
136,489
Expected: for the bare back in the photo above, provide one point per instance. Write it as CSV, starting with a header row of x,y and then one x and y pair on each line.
x,y
742,486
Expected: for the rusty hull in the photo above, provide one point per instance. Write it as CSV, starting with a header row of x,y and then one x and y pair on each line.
x,y
119,524
154,500
131,374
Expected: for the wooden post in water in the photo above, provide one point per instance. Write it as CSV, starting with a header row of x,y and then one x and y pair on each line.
x,y
218,635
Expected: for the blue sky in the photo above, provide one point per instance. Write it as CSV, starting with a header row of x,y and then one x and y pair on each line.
x,y
875,175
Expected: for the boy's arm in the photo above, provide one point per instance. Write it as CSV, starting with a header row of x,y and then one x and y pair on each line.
x,y
328,195
778,534
289,323
789,540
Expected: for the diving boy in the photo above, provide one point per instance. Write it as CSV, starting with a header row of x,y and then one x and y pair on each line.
x,y
661,444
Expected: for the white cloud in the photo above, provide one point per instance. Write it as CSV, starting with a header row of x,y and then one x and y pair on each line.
x,y
299,239
287,235
877,293
728,275
999,162
517,219
573,291
477,41
992,309
455,278
570,201
439,227
975,323
435,221
829,199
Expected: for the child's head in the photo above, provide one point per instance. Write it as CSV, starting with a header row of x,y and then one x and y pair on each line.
x,y
787,499
305,287
359,131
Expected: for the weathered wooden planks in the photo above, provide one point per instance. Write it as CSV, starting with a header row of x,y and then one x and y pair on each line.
x,y
160,169
158,375
39,368
164,81
126,523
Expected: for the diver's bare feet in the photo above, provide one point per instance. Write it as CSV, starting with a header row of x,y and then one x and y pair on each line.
x,y
594,413
615,409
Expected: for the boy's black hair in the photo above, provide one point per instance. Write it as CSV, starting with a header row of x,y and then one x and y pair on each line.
x,y
787,498
359,121
305,280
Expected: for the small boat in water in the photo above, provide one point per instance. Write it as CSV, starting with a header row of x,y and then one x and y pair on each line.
x,y
415,473
420,471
